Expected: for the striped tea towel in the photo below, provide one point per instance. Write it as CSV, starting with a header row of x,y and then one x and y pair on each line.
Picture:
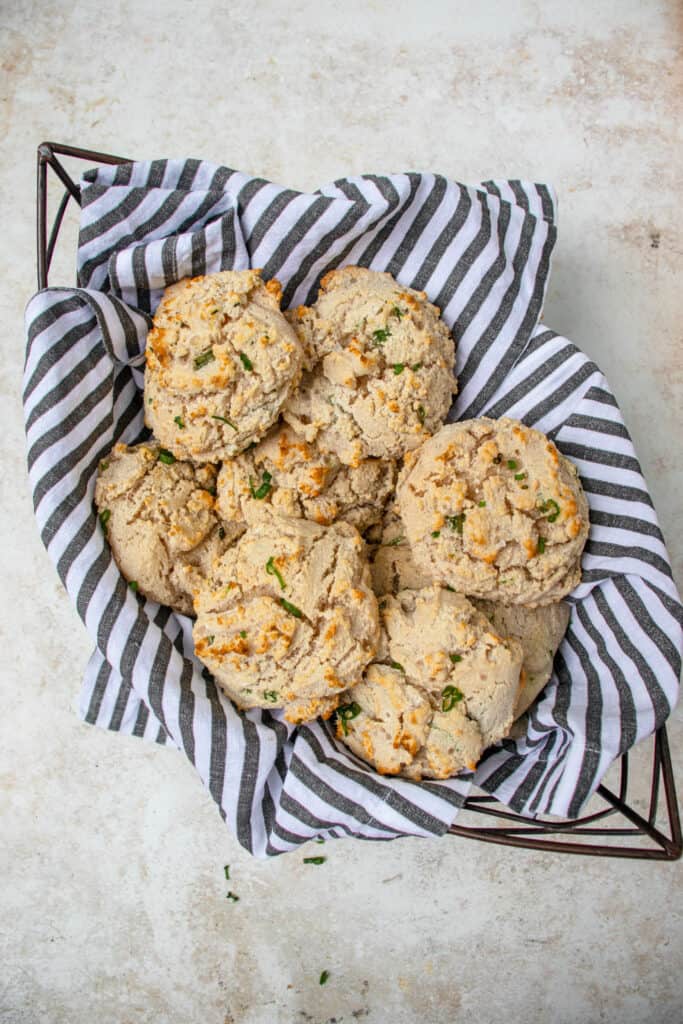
x,y
482,254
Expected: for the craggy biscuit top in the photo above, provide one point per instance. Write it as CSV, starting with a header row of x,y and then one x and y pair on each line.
x,y
492,508
287,475
302,320
395,727
440,640
384,380
392,566
540,632
441,689
384,719
288,618
221,361
454,744
160,520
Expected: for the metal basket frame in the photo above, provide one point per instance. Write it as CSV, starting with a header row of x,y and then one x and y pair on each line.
x,y
627,825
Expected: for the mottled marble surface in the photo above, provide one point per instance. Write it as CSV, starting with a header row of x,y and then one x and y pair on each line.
x,y
112,907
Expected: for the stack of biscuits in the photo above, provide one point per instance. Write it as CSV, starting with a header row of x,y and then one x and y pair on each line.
x,y
342,551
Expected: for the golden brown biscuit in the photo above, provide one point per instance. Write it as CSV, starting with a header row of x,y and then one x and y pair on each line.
x,y
221,362
384,380
288,619
385,720
160,519
491,508
287,475
441,690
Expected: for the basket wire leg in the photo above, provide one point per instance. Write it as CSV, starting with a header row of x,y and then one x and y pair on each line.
x,y
59,217
46,156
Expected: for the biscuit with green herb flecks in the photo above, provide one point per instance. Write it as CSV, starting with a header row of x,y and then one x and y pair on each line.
x,y
440,639
440,691
287,618
384,378
160,520
384,719
492,508
221,362
287,475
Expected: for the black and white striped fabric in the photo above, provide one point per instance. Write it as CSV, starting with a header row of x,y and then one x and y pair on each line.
x,y
482,254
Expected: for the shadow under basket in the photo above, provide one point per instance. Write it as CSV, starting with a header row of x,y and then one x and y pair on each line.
x,y
637,818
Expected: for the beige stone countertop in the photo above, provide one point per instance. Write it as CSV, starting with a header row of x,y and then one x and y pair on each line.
x,y
112,904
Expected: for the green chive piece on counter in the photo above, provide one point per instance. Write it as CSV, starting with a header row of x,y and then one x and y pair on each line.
x,y
393,543
203,358
455,658
398,313
133,585
399,368
224,419
210,640
273,570
246,362
456,522
270,695
415,367
168,458
381,335
398,666
314,860
232,897
105,516
450,696
520,476
436,533
346,712
243,634
264,487
482,504
104,464
179,421
512,464
421,414
324,975
541,546
291,608
226,870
